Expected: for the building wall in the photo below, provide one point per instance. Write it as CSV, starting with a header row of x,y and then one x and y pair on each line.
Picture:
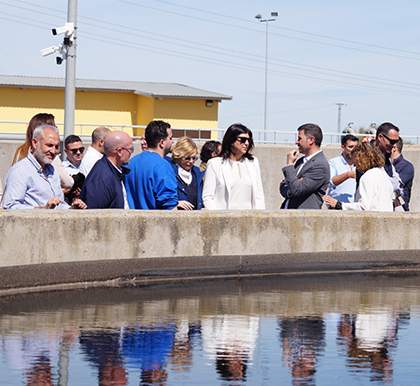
x,y
99,107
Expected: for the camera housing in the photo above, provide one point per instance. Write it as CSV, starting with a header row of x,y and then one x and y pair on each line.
x,y
67,29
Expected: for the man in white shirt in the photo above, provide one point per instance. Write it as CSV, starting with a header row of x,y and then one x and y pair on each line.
x,y
73,147
95,151
343,171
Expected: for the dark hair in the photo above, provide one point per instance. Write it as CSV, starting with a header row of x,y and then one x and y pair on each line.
x,y
208,148
155,131
230,137
312,130
385,128
348,137
71,139
400,145
36,120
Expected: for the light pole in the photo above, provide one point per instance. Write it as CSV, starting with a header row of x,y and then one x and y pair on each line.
x,y
259,17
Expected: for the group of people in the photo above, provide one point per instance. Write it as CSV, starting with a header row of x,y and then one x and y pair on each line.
x,y
364,177
370,176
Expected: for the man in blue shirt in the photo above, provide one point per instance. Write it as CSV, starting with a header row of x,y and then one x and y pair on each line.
x,y
151,183
33,183
343,171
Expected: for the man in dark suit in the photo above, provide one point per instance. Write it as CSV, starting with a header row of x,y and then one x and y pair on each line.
x,y
104,186
305,179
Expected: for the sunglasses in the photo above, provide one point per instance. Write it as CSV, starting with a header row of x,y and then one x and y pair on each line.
x,y
190,158
130,149
391,141
74,151
244,139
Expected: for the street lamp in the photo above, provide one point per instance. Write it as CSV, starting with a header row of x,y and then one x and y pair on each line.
x,y
259,18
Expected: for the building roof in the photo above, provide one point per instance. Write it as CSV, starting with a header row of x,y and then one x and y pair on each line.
x,y
149,89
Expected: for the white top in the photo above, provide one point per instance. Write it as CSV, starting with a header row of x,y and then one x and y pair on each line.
x,y
70,168
241,192
375,192
89,159
219,186
66,181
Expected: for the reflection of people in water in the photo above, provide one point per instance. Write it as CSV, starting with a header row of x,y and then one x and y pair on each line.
x,y
230,340
102,349
369,338
182,350
33,354
149,347
303,340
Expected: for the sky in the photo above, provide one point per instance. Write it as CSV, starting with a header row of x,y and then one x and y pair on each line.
x,y
363,54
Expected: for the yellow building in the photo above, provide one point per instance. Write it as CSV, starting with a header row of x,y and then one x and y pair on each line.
x,y
109,103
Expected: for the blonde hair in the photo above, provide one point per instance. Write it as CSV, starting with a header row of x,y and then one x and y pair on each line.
x,y
183,148
366,156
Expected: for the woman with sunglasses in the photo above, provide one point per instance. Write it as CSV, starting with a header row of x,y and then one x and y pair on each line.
x,y
189,177
233,179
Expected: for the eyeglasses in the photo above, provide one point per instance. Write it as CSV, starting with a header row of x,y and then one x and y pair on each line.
x,y
130,149
191,158
244,139
74,151
391,141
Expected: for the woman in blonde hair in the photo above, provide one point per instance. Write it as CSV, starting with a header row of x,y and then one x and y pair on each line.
x,y
189,177
375,191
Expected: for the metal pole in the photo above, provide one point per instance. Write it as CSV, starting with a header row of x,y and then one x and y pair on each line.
x,y
266,82
70,91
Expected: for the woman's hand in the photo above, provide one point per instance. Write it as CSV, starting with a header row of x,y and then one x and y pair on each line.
x,y
185,205
332,202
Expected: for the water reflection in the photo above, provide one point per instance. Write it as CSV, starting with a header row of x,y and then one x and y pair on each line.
x,y
299,331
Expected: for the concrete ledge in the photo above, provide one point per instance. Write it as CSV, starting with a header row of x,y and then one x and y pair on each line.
x,y
52,247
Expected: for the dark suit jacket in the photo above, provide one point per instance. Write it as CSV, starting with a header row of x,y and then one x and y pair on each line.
x,y
307,193
102,188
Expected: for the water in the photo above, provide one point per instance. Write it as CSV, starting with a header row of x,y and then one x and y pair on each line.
x,y
321,330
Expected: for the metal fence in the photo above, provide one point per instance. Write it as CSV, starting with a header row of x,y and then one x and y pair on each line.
x,y
200,135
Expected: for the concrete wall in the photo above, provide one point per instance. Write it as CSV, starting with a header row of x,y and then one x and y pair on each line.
x,y
49,247
272,158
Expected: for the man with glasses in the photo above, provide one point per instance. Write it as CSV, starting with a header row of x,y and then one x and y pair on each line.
x,y
387,136
104,186
73,147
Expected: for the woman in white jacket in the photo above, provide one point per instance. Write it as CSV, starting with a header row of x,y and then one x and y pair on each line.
x,y
375,191
233,179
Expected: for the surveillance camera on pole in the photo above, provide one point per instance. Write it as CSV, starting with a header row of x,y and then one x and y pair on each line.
x,y
67,29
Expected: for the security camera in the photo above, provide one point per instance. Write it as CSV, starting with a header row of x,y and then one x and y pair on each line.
x,y
67,29
49,50
58,60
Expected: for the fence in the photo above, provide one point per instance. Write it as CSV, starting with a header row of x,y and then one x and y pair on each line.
x,y
201,135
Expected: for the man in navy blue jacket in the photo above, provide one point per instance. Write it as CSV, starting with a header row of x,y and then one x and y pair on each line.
x,y
104,186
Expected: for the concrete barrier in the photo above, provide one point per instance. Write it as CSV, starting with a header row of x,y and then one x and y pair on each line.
x,y
51,247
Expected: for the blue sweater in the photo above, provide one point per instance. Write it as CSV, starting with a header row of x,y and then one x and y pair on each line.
x,y
151,183
182,187
102,188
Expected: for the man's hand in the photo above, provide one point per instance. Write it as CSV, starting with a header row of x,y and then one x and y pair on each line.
x,y
292,157
185,205
332,202
78,204
52,203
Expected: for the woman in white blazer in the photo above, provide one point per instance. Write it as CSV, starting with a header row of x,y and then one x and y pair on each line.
x,y
233,179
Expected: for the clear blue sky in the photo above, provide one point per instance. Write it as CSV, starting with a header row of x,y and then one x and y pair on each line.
x,y
365,54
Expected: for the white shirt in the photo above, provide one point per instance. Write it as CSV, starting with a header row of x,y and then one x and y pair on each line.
x,y
89,159
375,192
70,168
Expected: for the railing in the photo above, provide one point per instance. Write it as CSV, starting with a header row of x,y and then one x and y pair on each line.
x,y
200,135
